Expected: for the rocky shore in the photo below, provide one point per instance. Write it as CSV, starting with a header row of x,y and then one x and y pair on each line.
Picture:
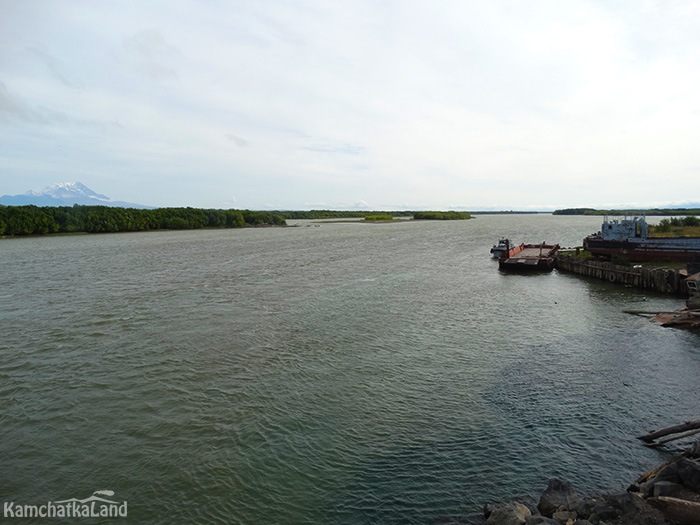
x,y
667,495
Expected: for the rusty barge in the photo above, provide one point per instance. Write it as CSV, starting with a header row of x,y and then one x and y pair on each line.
x,y
630,239
529,258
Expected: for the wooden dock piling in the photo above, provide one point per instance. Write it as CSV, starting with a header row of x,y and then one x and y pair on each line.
x,y
655,279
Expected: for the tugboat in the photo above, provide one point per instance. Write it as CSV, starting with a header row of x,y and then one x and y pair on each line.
x,y
630,238
501,248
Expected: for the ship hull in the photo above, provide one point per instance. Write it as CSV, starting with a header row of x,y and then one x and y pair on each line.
x,y
682,249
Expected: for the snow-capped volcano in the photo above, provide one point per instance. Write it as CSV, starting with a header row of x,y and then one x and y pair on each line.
x,y
64,194
68,190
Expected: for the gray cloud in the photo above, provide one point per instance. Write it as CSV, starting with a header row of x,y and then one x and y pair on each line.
x,y
54,65
238,141
15,108
151,55
336,147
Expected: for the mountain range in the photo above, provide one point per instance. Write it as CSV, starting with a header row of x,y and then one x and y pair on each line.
x,y
70,193
65,194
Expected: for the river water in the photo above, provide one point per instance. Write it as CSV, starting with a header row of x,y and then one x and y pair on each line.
x,y
327,373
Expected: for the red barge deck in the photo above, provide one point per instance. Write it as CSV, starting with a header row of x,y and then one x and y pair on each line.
x,y
529,258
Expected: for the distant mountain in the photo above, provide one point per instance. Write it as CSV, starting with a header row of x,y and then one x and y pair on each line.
x,y
65,194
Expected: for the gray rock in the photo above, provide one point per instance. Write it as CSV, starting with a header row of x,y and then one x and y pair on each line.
x,y
531,507
586,507
603,512
540,520
689,473
646,489
633,510
513,514
583,522
668,473
557,495
625,502
667,488
694,450
564,516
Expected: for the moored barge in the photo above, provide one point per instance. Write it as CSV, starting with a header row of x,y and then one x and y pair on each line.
x,y
630,239
530,258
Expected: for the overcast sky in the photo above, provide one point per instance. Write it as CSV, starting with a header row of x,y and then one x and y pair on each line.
x,y
379,104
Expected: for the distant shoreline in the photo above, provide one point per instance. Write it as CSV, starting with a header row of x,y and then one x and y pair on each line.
x,y
510,212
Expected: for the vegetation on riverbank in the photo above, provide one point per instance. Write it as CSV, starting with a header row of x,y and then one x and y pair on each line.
x,y
336,214
688,226
505,212
34,220
379,218
441,215
655,211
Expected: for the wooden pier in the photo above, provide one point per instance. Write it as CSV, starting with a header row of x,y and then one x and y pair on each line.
x,y
655,279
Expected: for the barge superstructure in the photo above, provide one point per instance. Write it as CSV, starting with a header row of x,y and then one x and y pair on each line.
x,y
629,237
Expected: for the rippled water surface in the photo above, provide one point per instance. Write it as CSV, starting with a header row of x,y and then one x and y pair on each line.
x,y
332,373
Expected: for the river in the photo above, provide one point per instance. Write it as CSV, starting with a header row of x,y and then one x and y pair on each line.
x,y
325,373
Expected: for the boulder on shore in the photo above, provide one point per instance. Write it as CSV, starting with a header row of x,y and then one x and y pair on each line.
x,y
559,496
669,494
689,472
511,514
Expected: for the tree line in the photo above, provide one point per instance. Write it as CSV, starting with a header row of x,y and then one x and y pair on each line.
x,y
337,214
666,225
655,211
380,217
441,215
41,220
346,214
35,220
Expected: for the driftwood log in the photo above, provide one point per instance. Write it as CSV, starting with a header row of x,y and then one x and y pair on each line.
x,y
682,511
646,312
679,436
652,473
688,429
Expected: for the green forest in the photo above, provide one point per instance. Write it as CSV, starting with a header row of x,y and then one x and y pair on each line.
x,y
34,220
379,218
655,211
441,215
